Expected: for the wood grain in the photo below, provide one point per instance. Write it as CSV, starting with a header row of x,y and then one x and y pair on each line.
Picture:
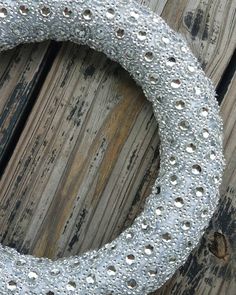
x,y
20,71
77,157
228,113
88,154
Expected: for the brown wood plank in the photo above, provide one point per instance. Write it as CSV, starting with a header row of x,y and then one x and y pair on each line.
x,y
88,154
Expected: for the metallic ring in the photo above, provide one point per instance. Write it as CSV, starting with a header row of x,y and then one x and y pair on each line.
x,y
186,192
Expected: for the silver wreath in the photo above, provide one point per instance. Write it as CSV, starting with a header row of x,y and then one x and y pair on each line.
x,y
186,193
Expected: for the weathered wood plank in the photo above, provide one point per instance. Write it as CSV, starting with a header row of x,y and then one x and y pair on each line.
x,y
69,151
88,154
228,112
20,71
211,268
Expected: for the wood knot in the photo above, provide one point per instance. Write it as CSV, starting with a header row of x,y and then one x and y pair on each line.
x,y
218,246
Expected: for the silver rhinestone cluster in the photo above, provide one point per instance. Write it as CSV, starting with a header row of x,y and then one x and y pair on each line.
x,y
186,193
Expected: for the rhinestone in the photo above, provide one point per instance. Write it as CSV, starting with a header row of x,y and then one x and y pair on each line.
x,y
186,225
75,263
142,35
71,286
134,15
199,191
20,262
120,33
152,272
166,40
179,202
173,179
212,155
171,61
129,236
166,237
130,259
189,244
175,83
32,275
205,133
90,279
54,272
129,53
110,246
148,56
184,49
158,190
111,271
172,160
216,179
45,11
132,284
159,99
24,10
153,78
183,125
191,148
11,285
144,225
172,260
191,69
87,14
110,14
197,90
148,249
67,12
204,112
196,169
3,12
204,213
159,210
179,104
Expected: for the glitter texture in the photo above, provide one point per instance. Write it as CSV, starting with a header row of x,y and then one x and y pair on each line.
x,y
186,192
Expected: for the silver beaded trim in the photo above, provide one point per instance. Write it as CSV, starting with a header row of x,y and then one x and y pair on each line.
x,y
186,193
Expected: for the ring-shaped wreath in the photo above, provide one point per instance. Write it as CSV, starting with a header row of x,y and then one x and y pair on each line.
x,y
186,192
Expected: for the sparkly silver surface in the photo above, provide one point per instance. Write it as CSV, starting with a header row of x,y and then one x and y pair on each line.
x,y
186,193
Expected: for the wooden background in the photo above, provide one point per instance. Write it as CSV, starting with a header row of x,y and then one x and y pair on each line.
x,y
79,147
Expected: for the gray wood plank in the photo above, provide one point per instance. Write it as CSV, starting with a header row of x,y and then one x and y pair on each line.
x,y
20,72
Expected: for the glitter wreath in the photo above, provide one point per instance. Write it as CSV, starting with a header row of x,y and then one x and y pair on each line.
x,y
186,192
